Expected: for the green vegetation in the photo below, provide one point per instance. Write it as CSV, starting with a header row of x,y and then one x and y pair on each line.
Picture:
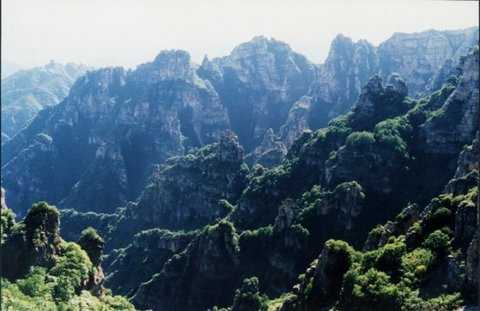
x,y
417,263
392,133
7,223
403,268
389,257
438,242
93,244
372,289
335,183
41,223
72,270
59,288
248,298
360,140
62,275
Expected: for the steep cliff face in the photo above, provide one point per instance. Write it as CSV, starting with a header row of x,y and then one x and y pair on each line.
x,y
424,60
102,141
26,92
186,192
144,257
348,67
209,263
258,83
454,124
418,57
270,152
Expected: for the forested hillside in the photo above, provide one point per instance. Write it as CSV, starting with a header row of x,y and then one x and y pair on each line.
x,y
254,181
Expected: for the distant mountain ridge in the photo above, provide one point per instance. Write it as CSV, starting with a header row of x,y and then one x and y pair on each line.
x,y
26,92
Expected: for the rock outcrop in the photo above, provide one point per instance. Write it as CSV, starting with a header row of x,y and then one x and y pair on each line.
x,y
187,192
37,244
143,258
347,68
258,83
269,153
209,263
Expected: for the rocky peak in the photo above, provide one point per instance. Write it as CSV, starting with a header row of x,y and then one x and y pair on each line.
x,y
378,102
93,96
210,69
144,116
26,92
42,219
173,64
340,46
35,243
269,62
347,68
373,86
229,148
270,152
167,65
258,83
257,46
297,121
101,81
398,84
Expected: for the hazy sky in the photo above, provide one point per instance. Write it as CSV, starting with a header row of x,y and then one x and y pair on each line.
x,y
129,32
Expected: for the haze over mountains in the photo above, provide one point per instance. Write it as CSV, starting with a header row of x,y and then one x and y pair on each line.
x,y
26,92
8,68
133,120
218,184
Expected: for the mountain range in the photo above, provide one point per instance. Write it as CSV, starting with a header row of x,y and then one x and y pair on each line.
x,y
105,137
262,181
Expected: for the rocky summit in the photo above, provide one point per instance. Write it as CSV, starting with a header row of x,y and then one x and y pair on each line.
x,y
251,182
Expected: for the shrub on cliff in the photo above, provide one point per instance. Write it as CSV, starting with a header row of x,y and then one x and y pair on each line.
x,y
93,244
41,222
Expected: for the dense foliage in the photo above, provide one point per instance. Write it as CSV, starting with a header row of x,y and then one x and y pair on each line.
x,y
59,273
375,211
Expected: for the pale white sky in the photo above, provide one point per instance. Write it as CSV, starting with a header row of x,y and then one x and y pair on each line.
x,y
129,32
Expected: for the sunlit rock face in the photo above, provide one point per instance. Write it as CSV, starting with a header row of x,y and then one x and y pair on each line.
x,y
419,56
97,148
258,82
347,68
26,92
